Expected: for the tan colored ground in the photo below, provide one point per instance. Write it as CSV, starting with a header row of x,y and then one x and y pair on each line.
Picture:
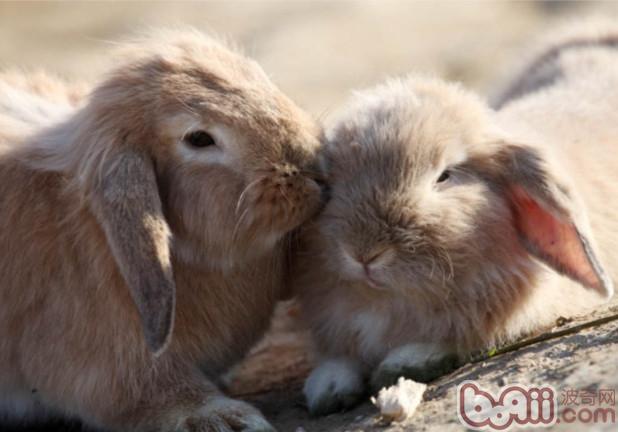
x,y
317,52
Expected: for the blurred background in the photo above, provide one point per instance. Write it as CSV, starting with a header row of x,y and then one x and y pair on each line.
x,y
316,51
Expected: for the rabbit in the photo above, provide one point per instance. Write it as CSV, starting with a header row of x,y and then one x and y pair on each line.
x,y
34,99
453,227
146,236
545,63
45,85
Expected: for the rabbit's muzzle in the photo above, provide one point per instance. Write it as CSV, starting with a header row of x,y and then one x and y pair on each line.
x,y
280,199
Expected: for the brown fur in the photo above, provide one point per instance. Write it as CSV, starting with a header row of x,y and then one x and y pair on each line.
x,y
45,85
118,230
456,264
33,99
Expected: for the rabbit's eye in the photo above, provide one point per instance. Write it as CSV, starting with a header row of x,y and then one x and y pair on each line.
x,y
200,139
446,174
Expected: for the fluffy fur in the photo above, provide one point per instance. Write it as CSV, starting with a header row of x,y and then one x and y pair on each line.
x,y
545,62
140,265
31,100
453,227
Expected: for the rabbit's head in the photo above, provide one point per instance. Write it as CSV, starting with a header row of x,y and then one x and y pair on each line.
x,y
430,199
189,138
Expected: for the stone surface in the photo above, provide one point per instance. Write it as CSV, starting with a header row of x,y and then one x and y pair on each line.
x,y
585,360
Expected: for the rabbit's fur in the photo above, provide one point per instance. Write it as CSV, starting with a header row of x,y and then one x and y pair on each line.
x,y
50,88
33,99
545,61
453,227
137,267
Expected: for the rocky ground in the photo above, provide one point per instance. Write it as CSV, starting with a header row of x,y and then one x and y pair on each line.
x,y
583,360
317,52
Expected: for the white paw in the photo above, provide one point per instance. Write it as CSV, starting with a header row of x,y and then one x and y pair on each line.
x,y
222,414
333,386
420,362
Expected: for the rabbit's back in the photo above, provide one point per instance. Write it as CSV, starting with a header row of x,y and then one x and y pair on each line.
x,y
576,119
29,101
45,337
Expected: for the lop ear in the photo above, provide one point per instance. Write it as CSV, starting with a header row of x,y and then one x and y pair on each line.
x,y
551,223
126,202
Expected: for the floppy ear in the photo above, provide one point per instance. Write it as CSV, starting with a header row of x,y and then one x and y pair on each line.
x,y
551,224
126,202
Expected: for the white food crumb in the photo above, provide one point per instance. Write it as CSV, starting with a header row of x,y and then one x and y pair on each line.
x,y
398,402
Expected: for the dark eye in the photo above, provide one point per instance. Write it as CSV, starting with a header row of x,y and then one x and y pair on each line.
x,y
199,139
446,174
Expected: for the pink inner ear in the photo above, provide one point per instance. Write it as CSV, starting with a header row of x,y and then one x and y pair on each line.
x,y
554,241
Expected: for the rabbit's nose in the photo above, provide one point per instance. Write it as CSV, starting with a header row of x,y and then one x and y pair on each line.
x,y
375,259
284,171
289,171
375,256
369,273
368,267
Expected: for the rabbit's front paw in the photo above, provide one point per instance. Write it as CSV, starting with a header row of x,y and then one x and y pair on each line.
x,y
418,362
335,385
222,414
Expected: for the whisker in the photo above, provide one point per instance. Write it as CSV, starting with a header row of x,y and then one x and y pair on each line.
x,y
238,223
282,190
315,174
444,253
244,192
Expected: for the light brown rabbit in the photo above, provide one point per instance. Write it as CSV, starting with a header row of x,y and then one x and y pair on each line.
x,y
39,83
34,99
144,239
453,227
